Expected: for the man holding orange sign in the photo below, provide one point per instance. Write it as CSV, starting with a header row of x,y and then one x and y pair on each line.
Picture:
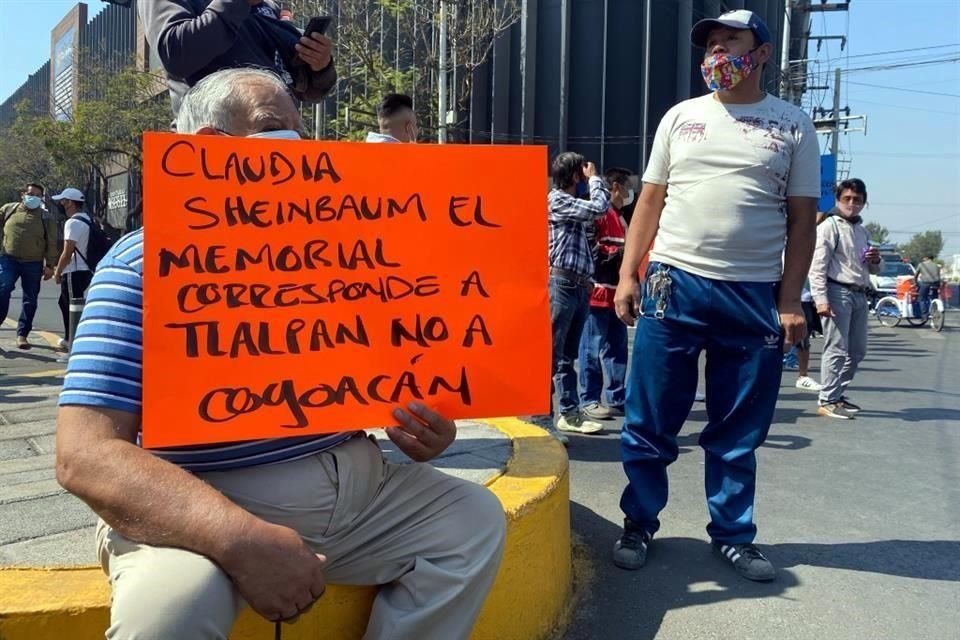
x,y
188,534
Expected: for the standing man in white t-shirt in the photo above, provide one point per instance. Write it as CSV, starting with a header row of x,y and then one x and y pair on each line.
x,y
730,197
72,272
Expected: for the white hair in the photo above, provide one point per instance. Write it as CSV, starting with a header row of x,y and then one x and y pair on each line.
x,y
217,99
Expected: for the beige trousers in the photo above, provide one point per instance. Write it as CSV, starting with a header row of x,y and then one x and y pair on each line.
x,y
432,541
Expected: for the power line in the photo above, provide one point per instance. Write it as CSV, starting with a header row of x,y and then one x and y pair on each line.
x,y
928,93
891,154
902,65
883,53
822,75
908,107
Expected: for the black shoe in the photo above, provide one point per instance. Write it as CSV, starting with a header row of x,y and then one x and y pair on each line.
x,y
630,551
849,406
747,560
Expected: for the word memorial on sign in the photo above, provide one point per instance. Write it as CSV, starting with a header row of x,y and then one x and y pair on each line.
x,y
303,287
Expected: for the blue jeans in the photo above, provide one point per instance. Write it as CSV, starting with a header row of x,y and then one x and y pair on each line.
x,y
603,347
924,292
30,274
569,303
738,326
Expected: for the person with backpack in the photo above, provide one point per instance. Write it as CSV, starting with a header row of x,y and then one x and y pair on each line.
x,y
28,239
84,243
840,281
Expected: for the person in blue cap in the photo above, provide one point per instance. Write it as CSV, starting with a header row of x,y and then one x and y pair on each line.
x,y
729,203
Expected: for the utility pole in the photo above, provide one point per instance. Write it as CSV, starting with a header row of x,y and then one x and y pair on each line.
x,y
647,48
786,90
442,92
835,144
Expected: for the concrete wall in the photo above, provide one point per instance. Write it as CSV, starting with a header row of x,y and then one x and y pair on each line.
x,y
570,74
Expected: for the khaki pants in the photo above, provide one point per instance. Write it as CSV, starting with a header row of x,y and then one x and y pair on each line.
x,y
433,541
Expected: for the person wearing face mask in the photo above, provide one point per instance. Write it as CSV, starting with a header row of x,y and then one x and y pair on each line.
x,y
603,344
73,273
28,239
397,120
263,523
729,202
840,282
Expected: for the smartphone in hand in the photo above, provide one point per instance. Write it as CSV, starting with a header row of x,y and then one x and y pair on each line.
x,y
318,24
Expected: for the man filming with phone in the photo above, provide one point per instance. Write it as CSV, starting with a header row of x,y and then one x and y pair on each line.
x,y
194,38
571,279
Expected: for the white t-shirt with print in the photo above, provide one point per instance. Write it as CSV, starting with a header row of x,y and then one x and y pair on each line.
x,y
728,171
79,232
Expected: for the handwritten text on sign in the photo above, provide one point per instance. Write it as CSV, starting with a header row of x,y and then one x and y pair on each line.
x,y
302,287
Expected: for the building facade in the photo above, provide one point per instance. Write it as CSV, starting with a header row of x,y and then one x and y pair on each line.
x,y
593,76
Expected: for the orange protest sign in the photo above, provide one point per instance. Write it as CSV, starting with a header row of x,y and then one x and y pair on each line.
x,y
304,287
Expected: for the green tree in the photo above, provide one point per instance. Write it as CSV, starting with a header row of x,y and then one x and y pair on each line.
x,y
878,233
385,46
928,243
104,133
24,158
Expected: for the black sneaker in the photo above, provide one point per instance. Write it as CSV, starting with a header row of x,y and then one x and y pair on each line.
x,y
630,551
849,406
747,560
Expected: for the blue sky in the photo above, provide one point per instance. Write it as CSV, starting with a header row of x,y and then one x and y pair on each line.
x,y
910,158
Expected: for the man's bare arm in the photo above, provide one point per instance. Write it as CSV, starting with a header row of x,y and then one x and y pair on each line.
x,y
69,246
801,237
643,226
149,500
141,496
640,235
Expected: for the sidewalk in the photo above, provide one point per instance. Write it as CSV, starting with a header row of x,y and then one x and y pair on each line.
x,y
42,525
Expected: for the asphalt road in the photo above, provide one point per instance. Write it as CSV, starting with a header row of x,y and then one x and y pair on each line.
x,y
862,518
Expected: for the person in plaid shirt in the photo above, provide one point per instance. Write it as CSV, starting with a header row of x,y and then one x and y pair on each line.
x,y
603,345
571,269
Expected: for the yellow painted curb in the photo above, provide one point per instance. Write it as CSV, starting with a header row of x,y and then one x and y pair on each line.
x,y
527,600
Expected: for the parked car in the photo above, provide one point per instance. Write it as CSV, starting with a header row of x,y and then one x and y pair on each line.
x,y
885,282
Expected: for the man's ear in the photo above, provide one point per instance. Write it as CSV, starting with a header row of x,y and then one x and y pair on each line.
x,y
766,53
208,131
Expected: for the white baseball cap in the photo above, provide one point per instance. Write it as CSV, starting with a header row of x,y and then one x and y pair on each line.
x,y
70,194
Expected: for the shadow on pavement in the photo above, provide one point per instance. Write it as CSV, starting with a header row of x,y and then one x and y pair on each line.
x,y
915,414
10,395
606,448
920,559
13,380
680,573
913,390
18,354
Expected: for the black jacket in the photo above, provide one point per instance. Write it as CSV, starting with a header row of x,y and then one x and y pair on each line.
x,y
194,38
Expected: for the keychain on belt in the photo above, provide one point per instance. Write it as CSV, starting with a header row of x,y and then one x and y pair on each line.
x,y
659,286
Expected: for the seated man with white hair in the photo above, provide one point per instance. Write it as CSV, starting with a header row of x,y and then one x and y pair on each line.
x,y
189,536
